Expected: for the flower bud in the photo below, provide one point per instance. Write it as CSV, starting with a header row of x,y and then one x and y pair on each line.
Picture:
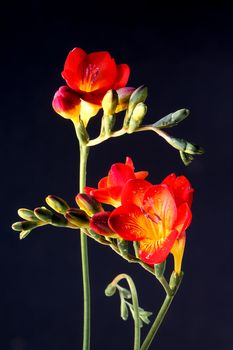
x,y
185,146
88,203
27,214
123,98
43,214
109,102
137,116
24,234
110,290
77,217
56,203
139,95
24,225
172,119
66,102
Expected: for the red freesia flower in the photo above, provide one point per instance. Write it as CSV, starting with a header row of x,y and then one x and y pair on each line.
x,y
149,214
92,75
110,187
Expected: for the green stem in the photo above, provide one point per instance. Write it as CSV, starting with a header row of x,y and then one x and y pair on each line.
x,y
83,137
137,332
162,312
171,292
84,257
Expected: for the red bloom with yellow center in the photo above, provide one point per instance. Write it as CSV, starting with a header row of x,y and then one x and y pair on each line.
x,y
93,74
149,214
110,187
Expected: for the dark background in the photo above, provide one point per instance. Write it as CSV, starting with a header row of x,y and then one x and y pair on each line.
x,y
184,54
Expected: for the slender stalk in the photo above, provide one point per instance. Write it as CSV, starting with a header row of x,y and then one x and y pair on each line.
x,y
154,328
137,332
171,292
84,256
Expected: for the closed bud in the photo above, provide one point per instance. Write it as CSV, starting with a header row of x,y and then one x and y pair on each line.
x,y
109,102
24,234
184,146
175,280
123,246
139,95
43,214
66,103
160,269
110,290
124,310
56,203
137,116
27,214
24,225
186,158
172,119
77,217
88,203
123,98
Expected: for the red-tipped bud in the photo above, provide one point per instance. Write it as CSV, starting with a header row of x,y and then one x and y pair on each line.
x,y
123,98
88,204
66,103
99,224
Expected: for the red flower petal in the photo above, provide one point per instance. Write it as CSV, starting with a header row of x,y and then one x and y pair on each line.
x,y
99,223
128,221
98,72
134,191
141,174
103,182
118,175
159,202
129,162
72,66
154,252
184,218
183,190
123,72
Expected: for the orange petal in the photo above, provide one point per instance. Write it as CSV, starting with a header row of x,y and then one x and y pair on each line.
x,y
159,202
128,222
118,175
154,252
141,174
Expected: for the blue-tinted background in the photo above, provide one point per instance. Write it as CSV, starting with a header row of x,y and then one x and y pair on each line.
x,y
184,55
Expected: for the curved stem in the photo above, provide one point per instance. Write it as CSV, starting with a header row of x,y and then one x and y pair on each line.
x,y
171,292
137,332
84,256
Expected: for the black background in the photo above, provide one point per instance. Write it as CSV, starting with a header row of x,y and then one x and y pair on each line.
x,y
184,54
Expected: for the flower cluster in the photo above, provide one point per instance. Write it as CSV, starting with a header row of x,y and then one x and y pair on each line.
x,y
156,216
88,78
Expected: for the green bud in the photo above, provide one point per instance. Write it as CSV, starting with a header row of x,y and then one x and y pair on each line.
x,y
137,116
88,203
58,204
108,122
109,102
81,132
24,234
186,158
124,310
175,280
184,146
160,269
172,119
43,214
77,217
139,95
24,225
110,290
27,214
